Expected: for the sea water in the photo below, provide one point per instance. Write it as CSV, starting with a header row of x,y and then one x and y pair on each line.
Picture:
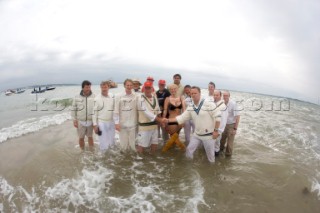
x,y
275,166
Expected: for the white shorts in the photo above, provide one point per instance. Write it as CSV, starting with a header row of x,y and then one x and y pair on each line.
x,y
146,138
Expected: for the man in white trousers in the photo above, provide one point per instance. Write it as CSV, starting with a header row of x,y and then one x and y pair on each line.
x,y
126,117
206,118
102,117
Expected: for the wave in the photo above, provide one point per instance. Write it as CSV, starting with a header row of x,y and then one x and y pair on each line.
x,y
95,189
32,125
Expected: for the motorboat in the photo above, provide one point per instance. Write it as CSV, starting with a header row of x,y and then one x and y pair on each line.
x,y
18,91
39,90
50,88
9,92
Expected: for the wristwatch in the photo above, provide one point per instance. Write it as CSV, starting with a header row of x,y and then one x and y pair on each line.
x,y
216,130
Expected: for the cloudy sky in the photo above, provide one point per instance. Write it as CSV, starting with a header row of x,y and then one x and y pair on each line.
x,y
263,46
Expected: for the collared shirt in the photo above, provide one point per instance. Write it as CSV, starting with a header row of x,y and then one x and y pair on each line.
x,y
233,112
187,100
224,115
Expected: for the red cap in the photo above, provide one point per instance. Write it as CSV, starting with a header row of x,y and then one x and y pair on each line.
x,y
150,78
147,84
162,82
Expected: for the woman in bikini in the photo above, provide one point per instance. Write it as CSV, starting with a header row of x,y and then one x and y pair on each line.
x,y
173,106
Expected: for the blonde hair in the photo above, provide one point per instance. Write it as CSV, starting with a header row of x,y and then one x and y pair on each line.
x,y
172,86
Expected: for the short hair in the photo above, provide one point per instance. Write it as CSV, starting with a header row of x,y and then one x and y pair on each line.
x,y
127,80
85,83
105,83
226,92
211,83
219,91
177,75
187,86
197,88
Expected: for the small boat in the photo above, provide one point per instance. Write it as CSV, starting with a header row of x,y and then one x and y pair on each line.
x,y
38,91
18,91
50,88
9,92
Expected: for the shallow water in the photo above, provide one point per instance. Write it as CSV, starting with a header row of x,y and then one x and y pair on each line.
x,y
275,166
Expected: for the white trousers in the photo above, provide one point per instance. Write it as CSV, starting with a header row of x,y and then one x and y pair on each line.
x,y
187,130
127,137
217,144
106,139
209,146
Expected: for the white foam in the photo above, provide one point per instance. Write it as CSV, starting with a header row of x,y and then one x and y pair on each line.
x,y
29,202
87,189
5,188
197,194
316,187
32,125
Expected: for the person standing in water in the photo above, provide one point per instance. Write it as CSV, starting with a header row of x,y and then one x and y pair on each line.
x,y
206,117
126,117
224,116
81,113
173,106
148,115
102,117
232,125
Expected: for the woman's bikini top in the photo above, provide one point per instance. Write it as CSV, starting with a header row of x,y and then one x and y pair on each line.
x,y
173,107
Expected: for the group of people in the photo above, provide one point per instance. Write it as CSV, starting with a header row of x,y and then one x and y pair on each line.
x,y
143,115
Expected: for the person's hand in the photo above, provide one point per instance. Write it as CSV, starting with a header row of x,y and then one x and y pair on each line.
x,y
215,134
118,127
164,122
234,131
75,123
96,129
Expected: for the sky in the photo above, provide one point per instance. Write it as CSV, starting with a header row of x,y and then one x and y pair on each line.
x,y
261,46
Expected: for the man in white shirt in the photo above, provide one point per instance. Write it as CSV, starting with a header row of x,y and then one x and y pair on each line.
x,y
232,124
224,116
126,117
81,114
148,115
102,117
188,125
206,118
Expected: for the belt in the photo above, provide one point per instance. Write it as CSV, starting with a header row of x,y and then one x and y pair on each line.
x,y
148,124
173,123
208,134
